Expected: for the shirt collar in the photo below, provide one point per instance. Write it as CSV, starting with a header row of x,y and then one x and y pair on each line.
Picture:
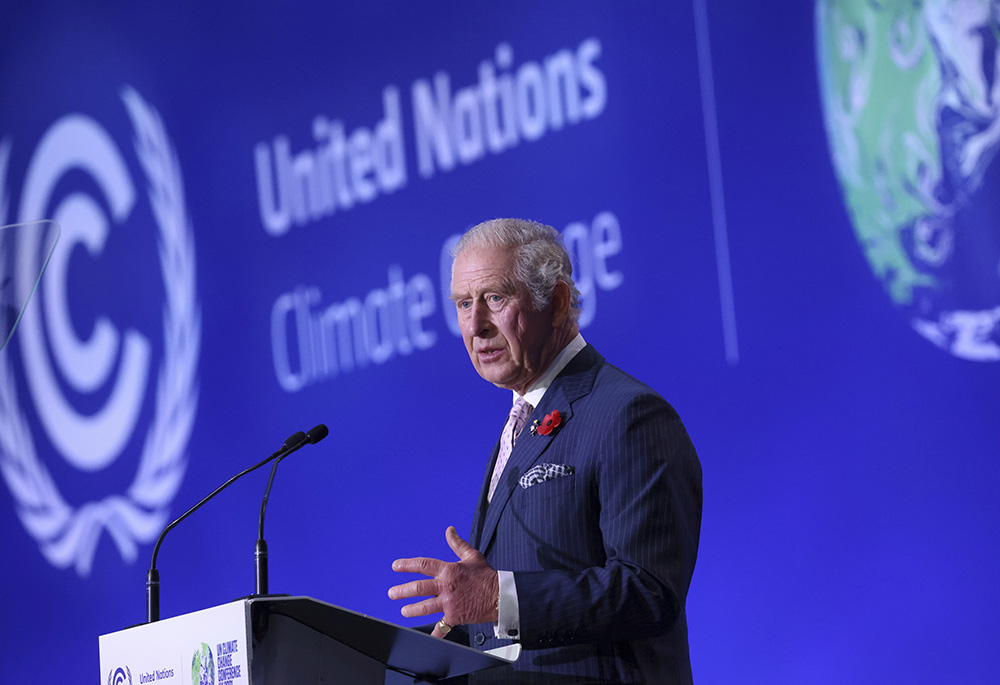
x,y
535,393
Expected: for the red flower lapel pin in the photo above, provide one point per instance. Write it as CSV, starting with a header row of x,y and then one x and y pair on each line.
x,y
548,424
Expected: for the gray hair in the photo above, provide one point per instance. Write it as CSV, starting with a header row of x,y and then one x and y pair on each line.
x,y
540,257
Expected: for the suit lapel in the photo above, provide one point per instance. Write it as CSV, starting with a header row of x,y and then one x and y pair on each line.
x,y
575,381
481,503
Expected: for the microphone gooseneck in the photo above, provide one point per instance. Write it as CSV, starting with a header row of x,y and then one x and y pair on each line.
x,y
153,576
314,435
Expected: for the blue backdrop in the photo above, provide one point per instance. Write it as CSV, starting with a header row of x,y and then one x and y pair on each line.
x,y
775,220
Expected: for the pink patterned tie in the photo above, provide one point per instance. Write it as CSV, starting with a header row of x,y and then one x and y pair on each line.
x,y
515,423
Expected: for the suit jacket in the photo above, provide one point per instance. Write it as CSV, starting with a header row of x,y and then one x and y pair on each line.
x,y
602,558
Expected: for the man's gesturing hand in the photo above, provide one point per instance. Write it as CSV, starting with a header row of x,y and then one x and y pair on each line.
x,y
466,590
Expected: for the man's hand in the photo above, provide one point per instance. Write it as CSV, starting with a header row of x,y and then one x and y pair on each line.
x,y
466,590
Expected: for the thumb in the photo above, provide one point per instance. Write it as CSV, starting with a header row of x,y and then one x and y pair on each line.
x,y
462,549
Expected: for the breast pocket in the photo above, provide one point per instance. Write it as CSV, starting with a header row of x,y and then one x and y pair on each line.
x,y
560,518
559,486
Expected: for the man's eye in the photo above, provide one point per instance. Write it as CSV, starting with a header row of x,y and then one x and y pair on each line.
x,y
493,299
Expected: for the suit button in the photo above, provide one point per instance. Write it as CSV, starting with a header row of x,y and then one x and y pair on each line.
x,y
480,638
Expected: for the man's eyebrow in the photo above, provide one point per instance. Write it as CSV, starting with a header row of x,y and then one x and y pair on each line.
x,y
505,286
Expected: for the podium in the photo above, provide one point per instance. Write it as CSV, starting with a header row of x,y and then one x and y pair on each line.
x,y
279,640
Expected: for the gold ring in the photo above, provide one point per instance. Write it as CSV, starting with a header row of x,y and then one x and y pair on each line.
x,y
443,627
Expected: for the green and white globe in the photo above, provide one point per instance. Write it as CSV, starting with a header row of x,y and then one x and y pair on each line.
x,y
203,666
911,100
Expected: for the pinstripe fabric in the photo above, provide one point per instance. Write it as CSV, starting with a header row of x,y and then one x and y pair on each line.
x,y
602,558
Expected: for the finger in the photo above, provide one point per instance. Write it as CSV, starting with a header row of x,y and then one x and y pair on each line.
x,y
437,632
416,588
428,606
462,549
425,565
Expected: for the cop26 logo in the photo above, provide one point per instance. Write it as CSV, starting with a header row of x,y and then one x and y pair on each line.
x,y
92,397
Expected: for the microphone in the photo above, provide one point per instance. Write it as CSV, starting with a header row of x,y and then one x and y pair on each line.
x,y
293,442
314,435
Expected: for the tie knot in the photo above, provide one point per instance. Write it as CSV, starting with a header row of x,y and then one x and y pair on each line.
x,y
519,412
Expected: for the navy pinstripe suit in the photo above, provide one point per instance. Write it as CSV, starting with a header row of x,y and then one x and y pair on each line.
x,y
602,558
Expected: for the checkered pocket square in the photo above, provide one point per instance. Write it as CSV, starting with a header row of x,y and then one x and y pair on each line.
x,y
543,472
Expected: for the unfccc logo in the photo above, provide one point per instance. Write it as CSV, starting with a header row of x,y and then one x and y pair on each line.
x,y
111,367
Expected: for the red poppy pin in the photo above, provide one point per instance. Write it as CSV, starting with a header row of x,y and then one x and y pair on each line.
x,y
548,424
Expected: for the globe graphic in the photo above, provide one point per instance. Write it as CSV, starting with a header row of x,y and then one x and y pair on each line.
x,y
203,666
911,102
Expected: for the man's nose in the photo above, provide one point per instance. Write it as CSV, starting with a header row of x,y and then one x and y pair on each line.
x,y
479,320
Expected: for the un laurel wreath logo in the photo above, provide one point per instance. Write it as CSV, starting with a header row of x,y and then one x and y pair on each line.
x,y
120,676
68,535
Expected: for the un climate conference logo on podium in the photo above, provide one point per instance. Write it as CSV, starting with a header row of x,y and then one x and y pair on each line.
x,y
203,666
87,346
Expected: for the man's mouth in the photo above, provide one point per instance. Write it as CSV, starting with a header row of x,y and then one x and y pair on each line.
x,y
489,354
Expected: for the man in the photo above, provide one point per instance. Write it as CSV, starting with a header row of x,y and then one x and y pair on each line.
x,y
586,532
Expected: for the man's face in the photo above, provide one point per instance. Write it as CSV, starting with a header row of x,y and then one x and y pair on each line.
x,y
508,341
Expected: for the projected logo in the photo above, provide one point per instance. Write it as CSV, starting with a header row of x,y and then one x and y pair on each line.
x,y
911,97
203,666
88,347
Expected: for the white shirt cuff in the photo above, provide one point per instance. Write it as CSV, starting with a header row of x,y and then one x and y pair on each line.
x,y
508,620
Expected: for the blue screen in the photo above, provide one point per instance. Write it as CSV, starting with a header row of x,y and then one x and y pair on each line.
x,y
780,220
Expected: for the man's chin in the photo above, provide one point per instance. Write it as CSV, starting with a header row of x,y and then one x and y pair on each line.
x,y
495,376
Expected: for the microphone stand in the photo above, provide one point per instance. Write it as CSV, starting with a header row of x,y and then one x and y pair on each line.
x,y
316,434
152,575
260,547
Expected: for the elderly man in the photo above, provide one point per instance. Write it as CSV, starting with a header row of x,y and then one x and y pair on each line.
x,y
585,536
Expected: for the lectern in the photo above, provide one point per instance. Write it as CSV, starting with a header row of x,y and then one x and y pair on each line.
x,y
279,640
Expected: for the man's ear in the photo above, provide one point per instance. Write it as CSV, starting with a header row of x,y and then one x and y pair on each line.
x,y
560,304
